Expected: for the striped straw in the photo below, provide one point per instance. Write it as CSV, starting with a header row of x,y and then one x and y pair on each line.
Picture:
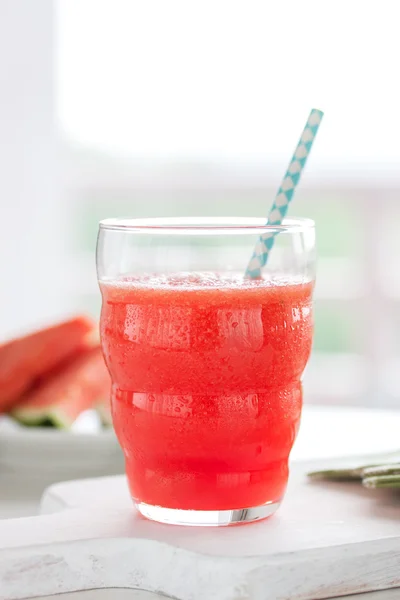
x,y
285,194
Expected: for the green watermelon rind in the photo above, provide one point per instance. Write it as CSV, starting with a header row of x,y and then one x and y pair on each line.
x,y
105,419
31,417
37,417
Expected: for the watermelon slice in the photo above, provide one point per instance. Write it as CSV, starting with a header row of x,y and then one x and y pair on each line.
x,y
26,359
63,396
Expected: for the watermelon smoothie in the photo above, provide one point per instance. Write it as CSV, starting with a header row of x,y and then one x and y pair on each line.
x,y
206,395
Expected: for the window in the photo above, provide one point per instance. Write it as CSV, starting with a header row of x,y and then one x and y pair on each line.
x,y
175,107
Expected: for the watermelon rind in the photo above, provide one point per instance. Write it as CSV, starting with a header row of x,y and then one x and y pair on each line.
x,y
44,417
104,414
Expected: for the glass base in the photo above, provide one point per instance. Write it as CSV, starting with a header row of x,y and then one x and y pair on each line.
x,y
207,518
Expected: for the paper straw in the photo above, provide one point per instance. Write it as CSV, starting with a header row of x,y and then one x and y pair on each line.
x,y
285,194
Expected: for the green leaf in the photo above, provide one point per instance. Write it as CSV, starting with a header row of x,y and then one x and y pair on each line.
x,y
358,469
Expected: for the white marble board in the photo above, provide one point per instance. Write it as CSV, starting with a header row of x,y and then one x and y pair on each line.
x,y
326,540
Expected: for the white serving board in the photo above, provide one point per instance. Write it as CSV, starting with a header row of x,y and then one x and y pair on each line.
x,y
327,540
125,594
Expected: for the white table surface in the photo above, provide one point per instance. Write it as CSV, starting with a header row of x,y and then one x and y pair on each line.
x,y
325,433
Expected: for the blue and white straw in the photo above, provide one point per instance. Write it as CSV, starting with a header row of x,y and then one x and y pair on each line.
x,y
285,194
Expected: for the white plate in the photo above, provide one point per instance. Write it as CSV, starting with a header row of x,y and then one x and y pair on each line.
x,y
31,458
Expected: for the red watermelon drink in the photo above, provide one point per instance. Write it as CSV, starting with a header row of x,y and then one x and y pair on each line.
x,y
206,396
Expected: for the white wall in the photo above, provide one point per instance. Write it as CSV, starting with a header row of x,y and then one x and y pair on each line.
x,y
32,240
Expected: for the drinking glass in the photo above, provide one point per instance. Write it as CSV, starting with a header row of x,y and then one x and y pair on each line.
x,y
206,365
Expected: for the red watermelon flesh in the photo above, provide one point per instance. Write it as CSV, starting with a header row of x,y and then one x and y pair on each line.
x,y
29,358
60,399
